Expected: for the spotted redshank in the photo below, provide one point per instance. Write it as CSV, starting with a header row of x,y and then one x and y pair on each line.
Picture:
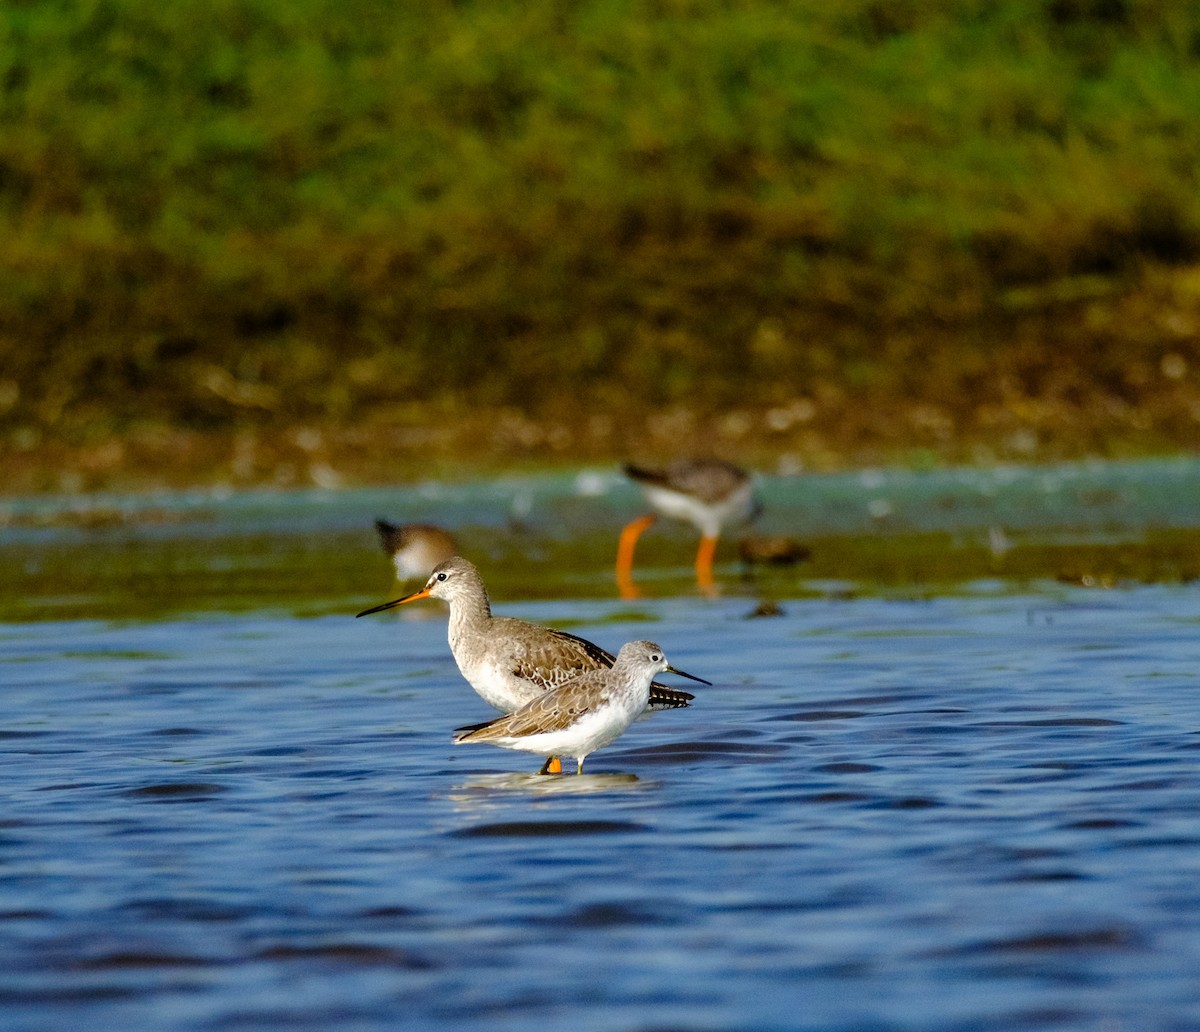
x,y
415,548
510,662
580,716
706,493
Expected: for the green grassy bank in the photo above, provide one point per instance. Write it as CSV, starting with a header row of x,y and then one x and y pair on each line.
x,y
825,230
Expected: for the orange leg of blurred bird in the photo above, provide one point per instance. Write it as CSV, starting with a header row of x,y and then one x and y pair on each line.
x,y
628,542
704,564
553,765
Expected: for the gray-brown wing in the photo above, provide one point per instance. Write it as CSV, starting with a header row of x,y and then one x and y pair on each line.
x,y
552,711
710,480
556,657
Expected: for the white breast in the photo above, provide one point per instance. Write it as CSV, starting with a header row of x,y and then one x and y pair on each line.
x,y
496,684
594,729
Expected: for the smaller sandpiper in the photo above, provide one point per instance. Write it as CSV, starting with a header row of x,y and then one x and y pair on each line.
x,y
415,548
577,718
707,493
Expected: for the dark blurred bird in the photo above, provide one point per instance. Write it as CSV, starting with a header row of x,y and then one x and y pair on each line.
x,y
772,550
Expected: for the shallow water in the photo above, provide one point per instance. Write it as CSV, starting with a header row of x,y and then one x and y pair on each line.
x,y
554,536
895,809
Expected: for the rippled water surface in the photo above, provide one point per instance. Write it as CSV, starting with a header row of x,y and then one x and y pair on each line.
x,y
966,809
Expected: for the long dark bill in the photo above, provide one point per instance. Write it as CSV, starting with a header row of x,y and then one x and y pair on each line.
x,y
423,593
681,673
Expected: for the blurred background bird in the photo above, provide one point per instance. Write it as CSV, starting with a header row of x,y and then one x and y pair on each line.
x,y
415,548
707,493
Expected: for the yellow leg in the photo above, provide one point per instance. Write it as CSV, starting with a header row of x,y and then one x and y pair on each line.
x,y
625,549
704,563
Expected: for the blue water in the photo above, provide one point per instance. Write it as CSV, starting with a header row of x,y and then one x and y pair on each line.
x,y
974,813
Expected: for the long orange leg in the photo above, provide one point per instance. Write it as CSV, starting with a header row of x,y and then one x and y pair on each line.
x,y
625,547
704,563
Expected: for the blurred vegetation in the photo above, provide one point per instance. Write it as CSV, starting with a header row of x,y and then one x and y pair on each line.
x,y
587,228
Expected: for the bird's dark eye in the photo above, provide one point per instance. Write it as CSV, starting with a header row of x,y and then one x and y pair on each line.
x,y
441,576
655,658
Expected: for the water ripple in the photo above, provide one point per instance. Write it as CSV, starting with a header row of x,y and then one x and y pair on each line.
x,y
542,829
900,815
